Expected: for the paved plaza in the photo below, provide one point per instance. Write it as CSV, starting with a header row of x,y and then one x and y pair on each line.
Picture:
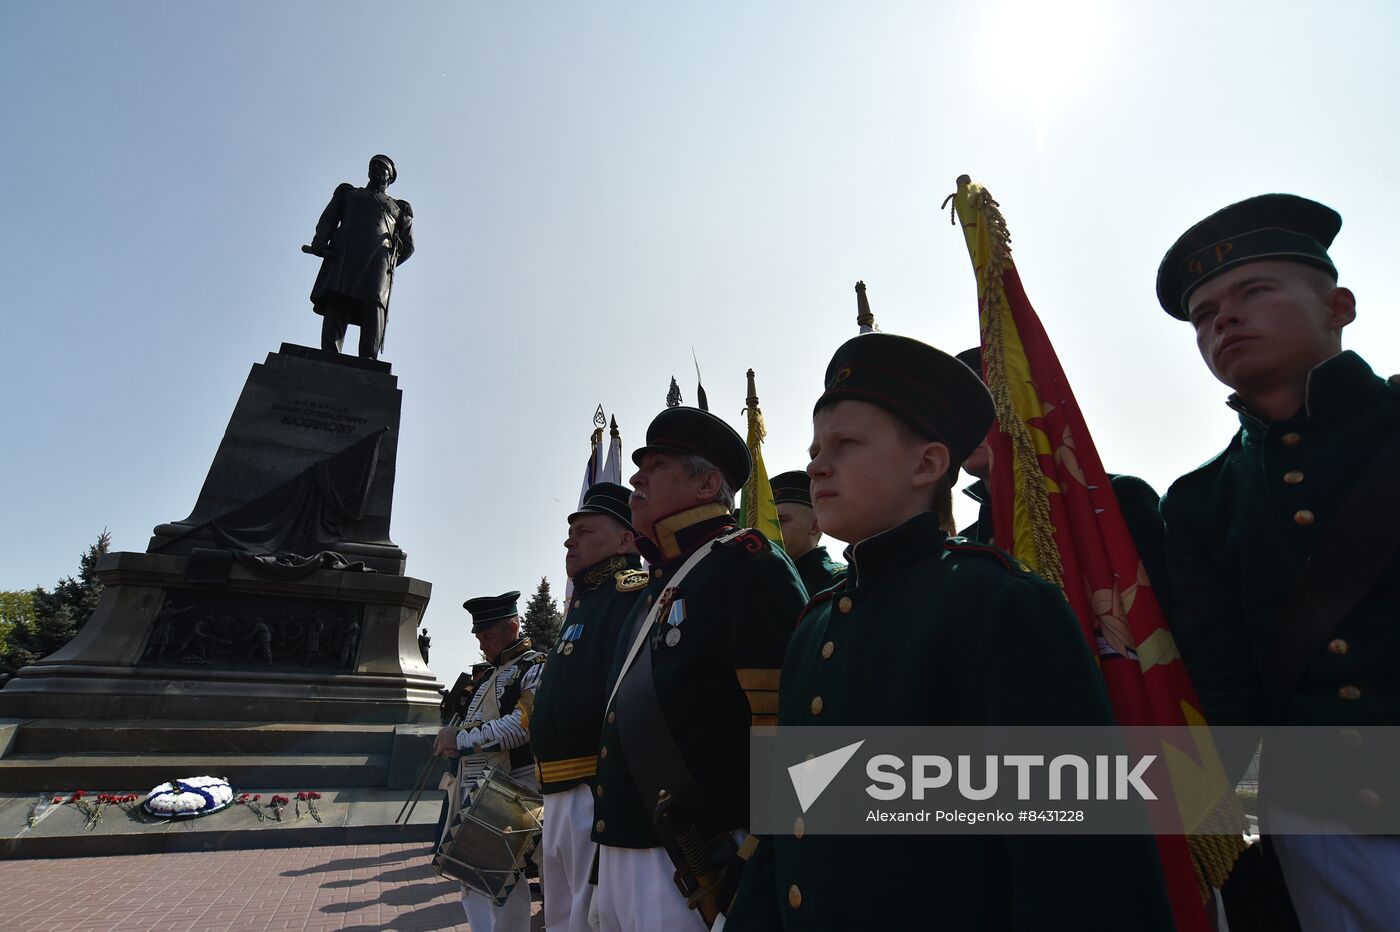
x,y
357,888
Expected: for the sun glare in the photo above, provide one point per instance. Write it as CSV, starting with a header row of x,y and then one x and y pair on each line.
x,y
1045,55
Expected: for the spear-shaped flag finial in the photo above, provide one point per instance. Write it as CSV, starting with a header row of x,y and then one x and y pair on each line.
x,y
700,398
865,318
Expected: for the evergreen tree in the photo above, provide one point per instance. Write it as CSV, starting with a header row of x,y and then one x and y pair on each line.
x,y
52,618
542,617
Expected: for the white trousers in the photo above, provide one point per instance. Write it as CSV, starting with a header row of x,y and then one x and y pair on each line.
x,y
637,892
566,858
483,915
1337,882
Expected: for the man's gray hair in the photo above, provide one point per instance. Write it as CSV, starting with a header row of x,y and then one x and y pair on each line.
x,y
696,466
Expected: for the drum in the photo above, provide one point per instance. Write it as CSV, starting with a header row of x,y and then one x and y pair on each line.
x,y
490,837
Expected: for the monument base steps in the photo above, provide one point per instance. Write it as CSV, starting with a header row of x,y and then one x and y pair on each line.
x,y
364,774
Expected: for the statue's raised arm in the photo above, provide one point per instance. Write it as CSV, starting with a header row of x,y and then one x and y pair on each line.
x,y
363,234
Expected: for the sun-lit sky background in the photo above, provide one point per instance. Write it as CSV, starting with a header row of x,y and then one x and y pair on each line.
x,y
598,189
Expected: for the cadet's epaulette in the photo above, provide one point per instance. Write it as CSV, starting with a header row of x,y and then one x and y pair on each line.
x,y
958,546
631,580
826,595
1394,381
747,543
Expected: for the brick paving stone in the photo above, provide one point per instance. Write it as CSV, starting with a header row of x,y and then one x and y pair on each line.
x,y
360,888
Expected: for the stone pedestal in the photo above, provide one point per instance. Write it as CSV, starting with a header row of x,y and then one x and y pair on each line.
x,y
334,646
209,625
300,409
249,640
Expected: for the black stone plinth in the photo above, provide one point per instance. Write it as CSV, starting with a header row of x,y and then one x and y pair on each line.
x,y
301,407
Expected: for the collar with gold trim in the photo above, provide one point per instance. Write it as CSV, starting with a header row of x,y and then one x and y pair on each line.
x,y
599,573
513,652
684,531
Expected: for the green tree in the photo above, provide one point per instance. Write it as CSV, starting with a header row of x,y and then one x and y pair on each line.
x,y
542,617
35,624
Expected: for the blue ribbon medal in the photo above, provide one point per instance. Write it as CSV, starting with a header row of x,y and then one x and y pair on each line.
x,y
673,622
566,640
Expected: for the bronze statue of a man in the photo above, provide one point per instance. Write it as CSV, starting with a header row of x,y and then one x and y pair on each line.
x,y
363,234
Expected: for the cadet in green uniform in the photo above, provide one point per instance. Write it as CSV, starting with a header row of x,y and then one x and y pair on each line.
x,y
699,662
801,534
925,630
1248,533
601,559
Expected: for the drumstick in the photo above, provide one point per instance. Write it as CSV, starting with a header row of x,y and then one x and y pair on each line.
x,y
418,785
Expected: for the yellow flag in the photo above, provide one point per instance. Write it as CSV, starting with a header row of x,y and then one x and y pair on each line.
x,y
758,510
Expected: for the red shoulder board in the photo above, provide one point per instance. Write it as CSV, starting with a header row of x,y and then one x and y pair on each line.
x,y
748,542
825,595
966,547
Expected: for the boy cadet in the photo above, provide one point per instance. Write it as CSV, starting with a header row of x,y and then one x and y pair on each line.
x,y
495,732
925,630
1282,549
801,534
601,559
698,664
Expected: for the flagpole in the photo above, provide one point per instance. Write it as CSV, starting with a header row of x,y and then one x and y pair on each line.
x,y
758,510
865,318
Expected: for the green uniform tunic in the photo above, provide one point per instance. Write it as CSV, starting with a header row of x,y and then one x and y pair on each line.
x,y
1239,528
927,631
739,606
818,570
569,702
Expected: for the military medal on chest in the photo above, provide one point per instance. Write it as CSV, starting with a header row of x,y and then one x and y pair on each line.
x,y
566,640
674,617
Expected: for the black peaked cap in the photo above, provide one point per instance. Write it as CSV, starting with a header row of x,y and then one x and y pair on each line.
x,y
972,358
938,396
690,430
794,487
489,609
1270,226
607,498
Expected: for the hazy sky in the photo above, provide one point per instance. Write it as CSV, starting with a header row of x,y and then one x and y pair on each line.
x,y
599,188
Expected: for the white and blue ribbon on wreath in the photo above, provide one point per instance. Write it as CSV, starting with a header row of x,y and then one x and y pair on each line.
x,y
181,788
